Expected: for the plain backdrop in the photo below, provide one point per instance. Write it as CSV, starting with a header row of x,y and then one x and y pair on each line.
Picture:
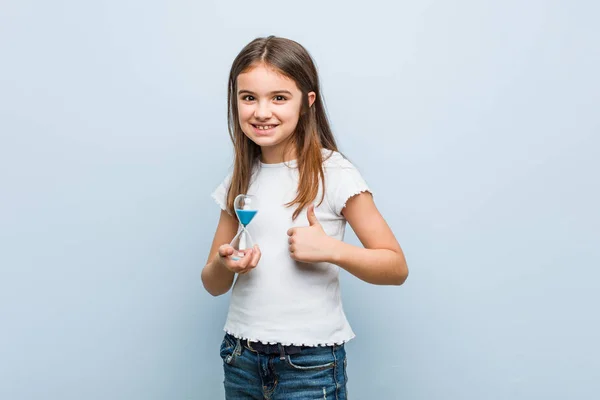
x,y
474,122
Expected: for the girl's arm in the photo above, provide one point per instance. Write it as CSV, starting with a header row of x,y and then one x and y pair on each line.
x,y
381,261
220,269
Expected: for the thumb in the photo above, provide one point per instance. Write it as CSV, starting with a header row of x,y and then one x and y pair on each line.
x,y
310,214
225,250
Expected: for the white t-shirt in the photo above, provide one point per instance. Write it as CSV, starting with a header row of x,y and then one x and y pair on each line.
x,y
283,300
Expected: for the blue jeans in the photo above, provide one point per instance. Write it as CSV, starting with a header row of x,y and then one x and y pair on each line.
x,y
314,373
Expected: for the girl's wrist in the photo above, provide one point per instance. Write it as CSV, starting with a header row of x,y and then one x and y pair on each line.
x,y
333,253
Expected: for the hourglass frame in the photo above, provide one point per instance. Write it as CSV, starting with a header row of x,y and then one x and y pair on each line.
x,y
245,207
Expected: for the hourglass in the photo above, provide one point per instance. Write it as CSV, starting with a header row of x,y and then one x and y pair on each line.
x,y
246,207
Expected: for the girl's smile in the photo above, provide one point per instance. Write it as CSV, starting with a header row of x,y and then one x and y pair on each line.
x,y
264,130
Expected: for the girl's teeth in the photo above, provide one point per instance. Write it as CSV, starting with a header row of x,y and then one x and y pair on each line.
x,y
264,127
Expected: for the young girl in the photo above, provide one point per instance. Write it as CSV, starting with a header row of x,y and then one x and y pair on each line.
x,y
286,328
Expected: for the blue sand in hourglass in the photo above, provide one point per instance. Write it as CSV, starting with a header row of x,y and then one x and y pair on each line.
x,y
246,216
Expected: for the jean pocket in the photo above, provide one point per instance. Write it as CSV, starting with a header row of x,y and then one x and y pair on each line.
x,y
227,347
312,361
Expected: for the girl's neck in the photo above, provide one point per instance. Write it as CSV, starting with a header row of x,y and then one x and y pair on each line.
x,y
273,155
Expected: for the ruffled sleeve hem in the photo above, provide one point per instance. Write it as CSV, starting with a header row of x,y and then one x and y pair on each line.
x,y
355,193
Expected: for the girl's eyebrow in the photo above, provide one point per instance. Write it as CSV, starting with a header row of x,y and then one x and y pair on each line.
x,y
272,93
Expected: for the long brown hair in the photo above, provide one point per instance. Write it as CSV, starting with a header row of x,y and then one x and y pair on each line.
x,y
311,134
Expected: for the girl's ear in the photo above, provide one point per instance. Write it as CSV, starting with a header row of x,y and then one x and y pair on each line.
x,y
311,98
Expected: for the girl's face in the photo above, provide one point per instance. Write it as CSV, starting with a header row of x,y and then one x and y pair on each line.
x,y
269,105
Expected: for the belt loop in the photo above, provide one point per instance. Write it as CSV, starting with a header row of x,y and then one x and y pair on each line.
x,y
249,345
281,352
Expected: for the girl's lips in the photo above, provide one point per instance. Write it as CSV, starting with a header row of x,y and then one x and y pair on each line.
x,y
263,132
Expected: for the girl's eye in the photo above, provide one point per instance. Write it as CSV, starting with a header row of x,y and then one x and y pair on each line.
x,y
280,98
248,98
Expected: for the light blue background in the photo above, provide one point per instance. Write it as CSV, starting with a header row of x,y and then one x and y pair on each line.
x,y
475,123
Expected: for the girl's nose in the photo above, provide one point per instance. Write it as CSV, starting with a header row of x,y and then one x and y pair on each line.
x,y
262,111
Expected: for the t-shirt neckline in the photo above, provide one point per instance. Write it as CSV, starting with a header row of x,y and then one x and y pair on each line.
x,y
290,163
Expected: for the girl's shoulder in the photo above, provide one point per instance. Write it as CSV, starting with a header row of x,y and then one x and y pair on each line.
x,y
335,160
343,180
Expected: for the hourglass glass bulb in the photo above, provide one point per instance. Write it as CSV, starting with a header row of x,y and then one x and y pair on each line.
x,y
246,207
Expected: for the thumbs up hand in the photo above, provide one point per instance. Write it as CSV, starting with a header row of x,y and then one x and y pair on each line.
x,y
310,244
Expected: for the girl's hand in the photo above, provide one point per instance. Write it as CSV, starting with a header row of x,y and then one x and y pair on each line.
x,y
310,244
244,264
